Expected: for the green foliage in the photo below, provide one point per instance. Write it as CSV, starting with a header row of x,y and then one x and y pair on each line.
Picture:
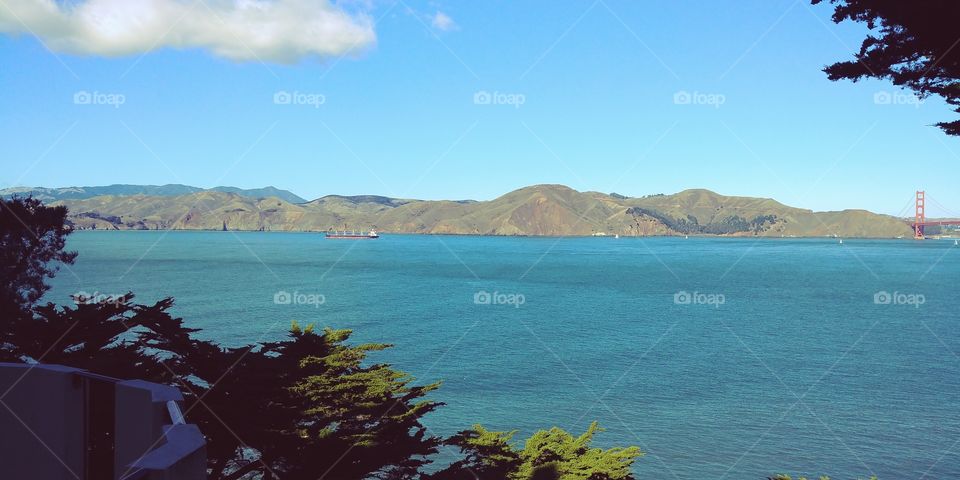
x,y
574,458
690,224
32,241
909,44
487,454
115,337
96,216
306,407
554,454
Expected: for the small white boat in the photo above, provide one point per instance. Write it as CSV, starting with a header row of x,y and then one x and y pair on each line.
x,y
616,236
841,241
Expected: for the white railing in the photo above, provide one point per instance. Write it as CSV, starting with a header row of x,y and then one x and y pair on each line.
x,y
176,416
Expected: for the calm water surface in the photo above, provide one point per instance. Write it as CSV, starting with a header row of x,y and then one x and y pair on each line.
x,y
799,370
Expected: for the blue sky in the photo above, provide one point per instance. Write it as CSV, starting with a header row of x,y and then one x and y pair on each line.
x,y
582,93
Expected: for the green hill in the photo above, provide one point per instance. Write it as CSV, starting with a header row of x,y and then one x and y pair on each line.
x,y
170,190
534,210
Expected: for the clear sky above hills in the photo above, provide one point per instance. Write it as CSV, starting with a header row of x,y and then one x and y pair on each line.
x,y
452,100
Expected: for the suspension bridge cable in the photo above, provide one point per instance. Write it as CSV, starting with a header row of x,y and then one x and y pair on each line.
x,y
906,209
945,209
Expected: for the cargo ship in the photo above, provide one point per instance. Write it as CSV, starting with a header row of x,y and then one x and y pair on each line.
x,y
352,235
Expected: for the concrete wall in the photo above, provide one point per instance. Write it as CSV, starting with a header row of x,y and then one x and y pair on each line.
x,y
42,428
41,423
147,440
139,426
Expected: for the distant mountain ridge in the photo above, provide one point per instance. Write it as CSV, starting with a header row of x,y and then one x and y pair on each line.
x,y
169,190
554,210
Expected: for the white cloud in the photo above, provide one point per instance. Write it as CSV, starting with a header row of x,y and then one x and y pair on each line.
x,y
442,21
281,31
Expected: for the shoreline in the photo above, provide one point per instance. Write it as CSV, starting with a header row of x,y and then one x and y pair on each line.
x,y
486,235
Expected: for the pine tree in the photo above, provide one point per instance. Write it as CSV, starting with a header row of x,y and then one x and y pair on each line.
x,y
911,44
32,241
548,454
313,408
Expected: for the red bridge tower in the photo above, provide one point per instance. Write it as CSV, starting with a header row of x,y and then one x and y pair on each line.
x,y
921,216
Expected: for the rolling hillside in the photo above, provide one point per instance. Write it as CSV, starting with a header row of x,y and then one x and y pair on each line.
x,y
535,210
170,190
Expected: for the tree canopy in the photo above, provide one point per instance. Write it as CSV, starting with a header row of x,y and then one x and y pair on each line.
x,y
548,454
32,241
912,44
321,410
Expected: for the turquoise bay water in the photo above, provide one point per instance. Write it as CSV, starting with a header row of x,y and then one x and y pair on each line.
x,y
799,370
